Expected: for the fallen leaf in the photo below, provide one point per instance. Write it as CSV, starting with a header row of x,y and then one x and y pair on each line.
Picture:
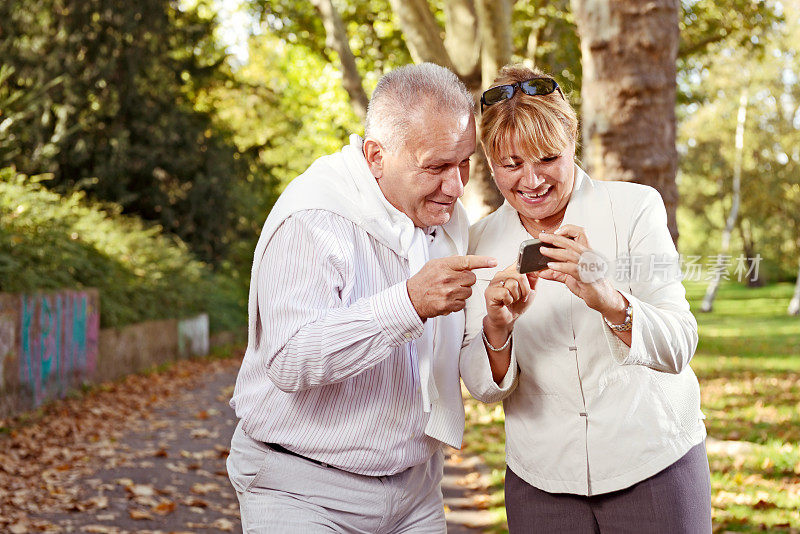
x,y
99,529
481,501
136,513
764,505
164,507
195,501
99,502
203,488
141,490
200,433
223,524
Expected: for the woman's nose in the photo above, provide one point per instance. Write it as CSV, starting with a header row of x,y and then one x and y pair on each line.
x,y
531,177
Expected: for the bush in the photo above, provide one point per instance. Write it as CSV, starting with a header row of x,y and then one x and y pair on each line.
x,y
52,242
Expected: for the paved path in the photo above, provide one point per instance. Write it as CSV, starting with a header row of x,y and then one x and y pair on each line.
x,y
155,461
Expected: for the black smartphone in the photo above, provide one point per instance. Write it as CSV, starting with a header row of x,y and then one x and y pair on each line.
x,y
530,257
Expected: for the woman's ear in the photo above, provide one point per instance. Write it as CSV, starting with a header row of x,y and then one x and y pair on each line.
x,y
373,153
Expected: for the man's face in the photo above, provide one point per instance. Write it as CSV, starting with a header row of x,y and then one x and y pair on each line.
x,y
424,177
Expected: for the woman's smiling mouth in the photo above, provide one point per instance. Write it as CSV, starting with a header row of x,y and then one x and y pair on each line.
x,y
530,195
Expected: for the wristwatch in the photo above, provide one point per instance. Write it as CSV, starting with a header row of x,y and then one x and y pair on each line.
x,y
625,325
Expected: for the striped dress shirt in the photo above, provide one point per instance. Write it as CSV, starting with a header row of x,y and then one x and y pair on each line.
x,y
334,378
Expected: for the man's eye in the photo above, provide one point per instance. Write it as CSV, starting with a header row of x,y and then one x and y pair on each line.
x,y
548,159
511,165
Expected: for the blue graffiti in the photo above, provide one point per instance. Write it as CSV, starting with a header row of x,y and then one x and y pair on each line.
x,y
55,353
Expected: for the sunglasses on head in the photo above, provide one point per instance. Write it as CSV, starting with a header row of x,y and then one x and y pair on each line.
x,y
532,87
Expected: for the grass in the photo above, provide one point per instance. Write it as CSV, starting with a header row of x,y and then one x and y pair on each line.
x,y
748,364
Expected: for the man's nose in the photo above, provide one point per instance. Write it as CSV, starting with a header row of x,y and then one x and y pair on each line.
x,y
454,180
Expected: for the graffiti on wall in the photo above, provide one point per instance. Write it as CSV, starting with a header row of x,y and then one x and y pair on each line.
x,y
8,341
58,335
193,336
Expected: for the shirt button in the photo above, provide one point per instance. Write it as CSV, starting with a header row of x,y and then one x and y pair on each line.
x,y
408,335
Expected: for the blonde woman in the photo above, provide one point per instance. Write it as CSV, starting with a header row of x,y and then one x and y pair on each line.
x,y
604,431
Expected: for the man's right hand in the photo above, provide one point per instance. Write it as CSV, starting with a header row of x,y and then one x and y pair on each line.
x,y
443,285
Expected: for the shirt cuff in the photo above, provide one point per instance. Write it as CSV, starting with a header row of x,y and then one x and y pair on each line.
x,y
393,310
622,353
511,375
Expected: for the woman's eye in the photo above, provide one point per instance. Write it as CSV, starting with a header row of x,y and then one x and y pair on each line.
x,y
548,159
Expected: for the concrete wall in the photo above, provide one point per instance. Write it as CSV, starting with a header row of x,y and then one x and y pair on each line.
x,y
51,343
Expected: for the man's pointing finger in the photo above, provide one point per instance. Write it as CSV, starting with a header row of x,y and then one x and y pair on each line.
x,y
469,262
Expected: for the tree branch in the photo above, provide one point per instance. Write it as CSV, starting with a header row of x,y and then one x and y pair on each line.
x,y
421,31
336,39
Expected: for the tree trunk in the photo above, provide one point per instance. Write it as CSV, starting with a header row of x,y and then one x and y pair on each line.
x,y
462,41
749,247
424,40
422,33
628,52
494,23
711,291
336,39
794,304
530,47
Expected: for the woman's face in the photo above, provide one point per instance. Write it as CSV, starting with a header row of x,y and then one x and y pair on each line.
x,y
539,191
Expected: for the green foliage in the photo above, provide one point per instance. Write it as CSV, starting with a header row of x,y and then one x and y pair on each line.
x,y
295,110
549,29
741,22
100,93
51,242
750,388
770,191
375,39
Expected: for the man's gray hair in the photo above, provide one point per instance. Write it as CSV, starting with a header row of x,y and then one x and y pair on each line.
x,y
403,94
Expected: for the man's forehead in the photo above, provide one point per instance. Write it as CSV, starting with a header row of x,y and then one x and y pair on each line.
x,y
444,138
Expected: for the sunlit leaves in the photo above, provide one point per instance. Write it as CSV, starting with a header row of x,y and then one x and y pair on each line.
x,y
771,165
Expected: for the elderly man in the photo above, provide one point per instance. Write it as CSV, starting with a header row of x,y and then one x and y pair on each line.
x,y
350,384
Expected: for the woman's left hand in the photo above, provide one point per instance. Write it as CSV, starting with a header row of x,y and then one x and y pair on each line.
x,y
568,244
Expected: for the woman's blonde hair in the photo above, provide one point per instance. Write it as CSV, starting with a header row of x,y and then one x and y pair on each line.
x,y
538,126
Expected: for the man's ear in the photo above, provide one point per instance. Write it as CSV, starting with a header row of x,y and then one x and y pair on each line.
x,y
373,153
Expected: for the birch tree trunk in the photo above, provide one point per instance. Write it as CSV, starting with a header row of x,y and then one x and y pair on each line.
x,y
730,223
794,304
628,53
336,39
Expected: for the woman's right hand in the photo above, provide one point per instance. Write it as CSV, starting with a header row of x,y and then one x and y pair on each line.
x,y
508,295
